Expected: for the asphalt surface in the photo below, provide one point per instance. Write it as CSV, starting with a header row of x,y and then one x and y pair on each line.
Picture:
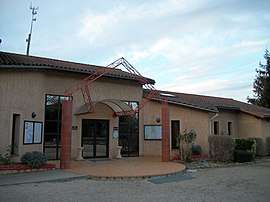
x,y
243,183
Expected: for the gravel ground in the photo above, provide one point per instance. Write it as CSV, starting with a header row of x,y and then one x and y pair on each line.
x,y
238,183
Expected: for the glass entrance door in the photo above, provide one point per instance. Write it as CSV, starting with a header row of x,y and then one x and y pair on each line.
x,y
95,138
129,133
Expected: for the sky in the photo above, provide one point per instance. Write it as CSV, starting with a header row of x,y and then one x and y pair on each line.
x,y
204,47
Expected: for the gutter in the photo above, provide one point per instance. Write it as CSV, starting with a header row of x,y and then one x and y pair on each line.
x,y
187,105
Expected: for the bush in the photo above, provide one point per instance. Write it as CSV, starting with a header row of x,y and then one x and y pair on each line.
x,y
34,159
196,150
244,144
221,148
259,147
5,159
268,145
243,156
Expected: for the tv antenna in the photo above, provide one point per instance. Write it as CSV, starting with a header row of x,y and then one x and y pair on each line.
x,y
28,40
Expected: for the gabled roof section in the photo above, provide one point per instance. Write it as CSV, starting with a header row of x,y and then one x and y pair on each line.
x,y
19,61
213,104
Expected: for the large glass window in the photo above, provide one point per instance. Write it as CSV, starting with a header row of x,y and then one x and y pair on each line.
x,y
129,133
52,126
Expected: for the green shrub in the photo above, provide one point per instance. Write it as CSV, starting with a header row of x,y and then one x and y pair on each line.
x,y
244,144
196,150
221,148
242,156
258,146
34,159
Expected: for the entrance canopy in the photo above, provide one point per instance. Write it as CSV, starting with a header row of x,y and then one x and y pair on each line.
x,y
117,106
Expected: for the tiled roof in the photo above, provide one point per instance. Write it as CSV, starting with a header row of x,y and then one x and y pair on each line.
x,y
18,61
214,104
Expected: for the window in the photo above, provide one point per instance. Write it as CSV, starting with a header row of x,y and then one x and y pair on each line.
x,y
229,128
175,125
216,128
52,126
32,132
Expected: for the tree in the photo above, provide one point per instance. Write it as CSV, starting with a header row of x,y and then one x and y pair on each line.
x,y
261,85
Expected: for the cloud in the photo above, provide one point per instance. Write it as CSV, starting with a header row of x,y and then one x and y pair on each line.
x,y
94,26
251,45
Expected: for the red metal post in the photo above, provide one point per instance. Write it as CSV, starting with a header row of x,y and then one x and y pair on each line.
x,y
165,132
65,154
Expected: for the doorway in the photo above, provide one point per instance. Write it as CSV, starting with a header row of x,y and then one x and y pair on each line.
x,y
95,138
15,134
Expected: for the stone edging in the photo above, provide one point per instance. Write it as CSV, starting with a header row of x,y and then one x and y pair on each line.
x,y
205,165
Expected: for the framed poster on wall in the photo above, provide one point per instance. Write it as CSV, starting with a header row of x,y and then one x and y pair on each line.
x,y
152,132
32,132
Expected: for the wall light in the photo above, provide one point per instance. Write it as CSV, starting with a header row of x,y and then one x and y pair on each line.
x,y
158,120
33,115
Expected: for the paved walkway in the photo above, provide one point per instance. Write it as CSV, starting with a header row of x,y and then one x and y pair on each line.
x,y
132,167
39,176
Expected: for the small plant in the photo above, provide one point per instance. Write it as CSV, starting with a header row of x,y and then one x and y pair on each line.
x,y
185,139
196,149
34,159
5,159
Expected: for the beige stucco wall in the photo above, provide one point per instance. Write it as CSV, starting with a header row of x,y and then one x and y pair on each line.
x,y
190,119
223,117
23,92
20,94
249,126
265,134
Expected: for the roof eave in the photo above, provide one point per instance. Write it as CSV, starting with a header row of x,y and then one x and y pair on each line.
x,y
189,106
43,67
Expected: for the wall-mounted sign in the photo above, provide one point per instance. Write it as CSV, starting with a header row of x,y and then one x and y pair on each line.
x,y
152,132
115,133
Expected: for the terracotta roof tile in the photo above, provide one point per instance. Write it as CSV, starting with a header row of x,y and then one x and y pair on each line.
x,y
18,61
213,104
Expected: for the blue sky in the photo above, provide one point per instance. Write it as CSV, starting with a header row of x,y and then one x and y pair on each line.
x,y
206,47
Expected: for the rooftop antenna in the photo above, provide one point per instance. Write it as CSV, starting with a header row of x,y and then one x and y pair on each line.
x,y
34,12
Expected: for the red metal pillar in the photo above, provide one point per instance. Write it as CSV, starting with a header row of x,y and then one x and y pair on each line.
x,y
65,155
165,133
